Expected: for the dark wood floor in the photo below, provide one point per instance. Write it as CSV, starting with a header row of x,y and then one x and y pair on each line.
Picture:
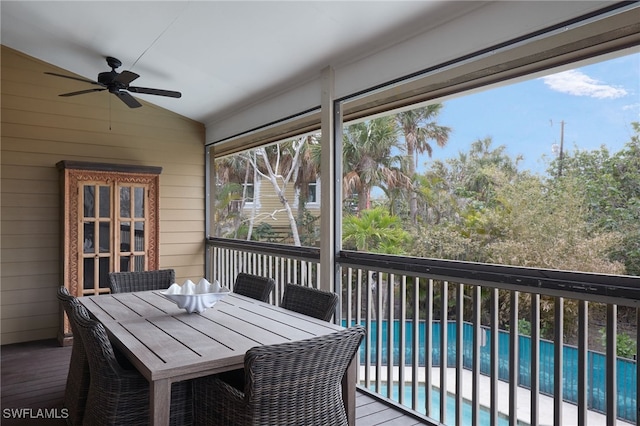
x,y
34,375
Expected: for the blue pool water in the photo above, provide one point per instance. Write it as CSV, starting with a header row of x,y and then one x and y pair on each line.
x,y
626,369
485,418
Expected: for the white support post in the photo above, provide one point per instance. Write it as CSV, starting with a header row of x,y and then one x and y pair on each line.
x,y
328,187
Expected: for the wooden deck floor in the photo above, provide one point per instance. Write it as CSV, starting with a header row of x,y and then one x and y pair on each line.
x,y
34,376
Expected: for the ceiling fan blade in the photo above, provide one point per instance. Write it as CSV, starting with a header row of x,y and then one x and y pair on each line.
x,y
74,78
160,92
81,92
127,99
126,77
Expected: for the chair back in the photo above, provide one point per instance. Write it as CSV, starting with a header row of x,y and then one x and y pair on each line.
x,y
254,286
116,396
299,383
100,354
316,303
127,282
77,386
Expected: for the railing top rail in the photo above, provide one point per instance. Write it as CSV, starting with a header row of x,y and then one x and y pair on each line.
x,y
618,289
311,254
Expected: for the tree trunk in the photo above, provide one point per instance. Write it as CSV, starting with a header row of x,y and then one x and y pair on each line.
x,y
283,200
413,197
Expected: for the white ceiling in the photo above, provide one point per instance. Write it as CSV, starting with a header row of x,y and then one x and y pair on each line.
x,y
222,56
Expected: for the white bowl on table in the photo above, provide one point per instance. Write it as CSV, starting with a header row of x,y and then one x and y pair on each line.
x,y
195,298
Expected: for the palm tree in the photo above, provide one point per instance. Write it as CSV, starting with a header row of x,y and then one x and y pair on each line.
x,y
232,177
419,127
375,230
308,171
475,170
368,159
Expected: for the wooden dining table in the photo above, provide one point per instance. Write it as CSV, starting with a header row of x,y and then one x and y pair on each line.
x,y
167,344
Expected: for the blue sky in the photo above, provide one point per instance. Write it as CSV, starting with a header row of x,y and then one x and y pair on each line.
x,y
597,102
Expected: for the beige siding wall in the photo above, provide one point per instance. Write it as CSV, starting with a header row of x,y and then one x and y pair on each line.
x,y
38,130
270,210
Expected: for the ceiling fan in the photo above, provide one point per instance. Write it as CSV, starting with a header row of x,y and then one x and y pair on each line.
x,y
118,84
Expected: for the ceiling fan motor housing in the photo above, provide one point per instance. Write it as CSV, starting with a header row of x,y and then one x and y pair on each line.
x,y
109,79
106,78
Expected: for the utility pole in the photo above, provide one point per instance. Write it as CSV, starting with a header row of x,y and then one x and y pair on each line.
x,y
559,151
561,148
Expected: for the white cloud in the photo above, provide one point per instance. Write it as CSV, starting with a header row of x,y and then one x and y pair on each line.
x,y
632,109
576,83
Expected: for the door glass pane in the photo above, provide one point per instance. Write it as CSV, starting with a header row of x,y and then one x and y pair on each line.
x,y
89,201
139,201
88,279
125,201
104,271
105,201
125,237
139,236
88,238
105,237
139,263
124,264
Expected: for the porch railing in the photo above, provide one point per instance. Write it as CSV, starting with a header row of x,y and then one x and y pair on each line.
x,y
484,377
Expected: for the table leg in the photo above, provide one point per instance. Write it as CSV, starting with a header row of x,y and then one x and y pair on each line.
x,y
349,391
160,402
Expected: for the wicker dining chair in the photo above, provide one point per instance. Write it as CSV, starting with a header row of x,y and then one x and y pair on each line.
x,y
254,286
77,386
293,383
316,303
305,300
118,396
127,282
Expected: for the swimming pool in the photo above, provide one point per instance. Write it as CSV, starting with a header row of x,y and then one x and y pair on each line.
x,y
485,417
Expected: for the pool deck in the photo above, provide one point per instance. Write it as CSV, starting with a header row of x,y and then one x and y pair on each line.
x,y
546,403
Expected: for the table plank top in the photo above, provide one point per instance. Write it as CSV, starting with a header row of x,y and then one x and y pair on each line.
x,y
164,341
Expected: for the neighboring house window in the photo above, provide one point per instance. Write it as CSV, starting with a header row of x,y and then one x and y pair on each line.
x,y
314,194
249,191
252,194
